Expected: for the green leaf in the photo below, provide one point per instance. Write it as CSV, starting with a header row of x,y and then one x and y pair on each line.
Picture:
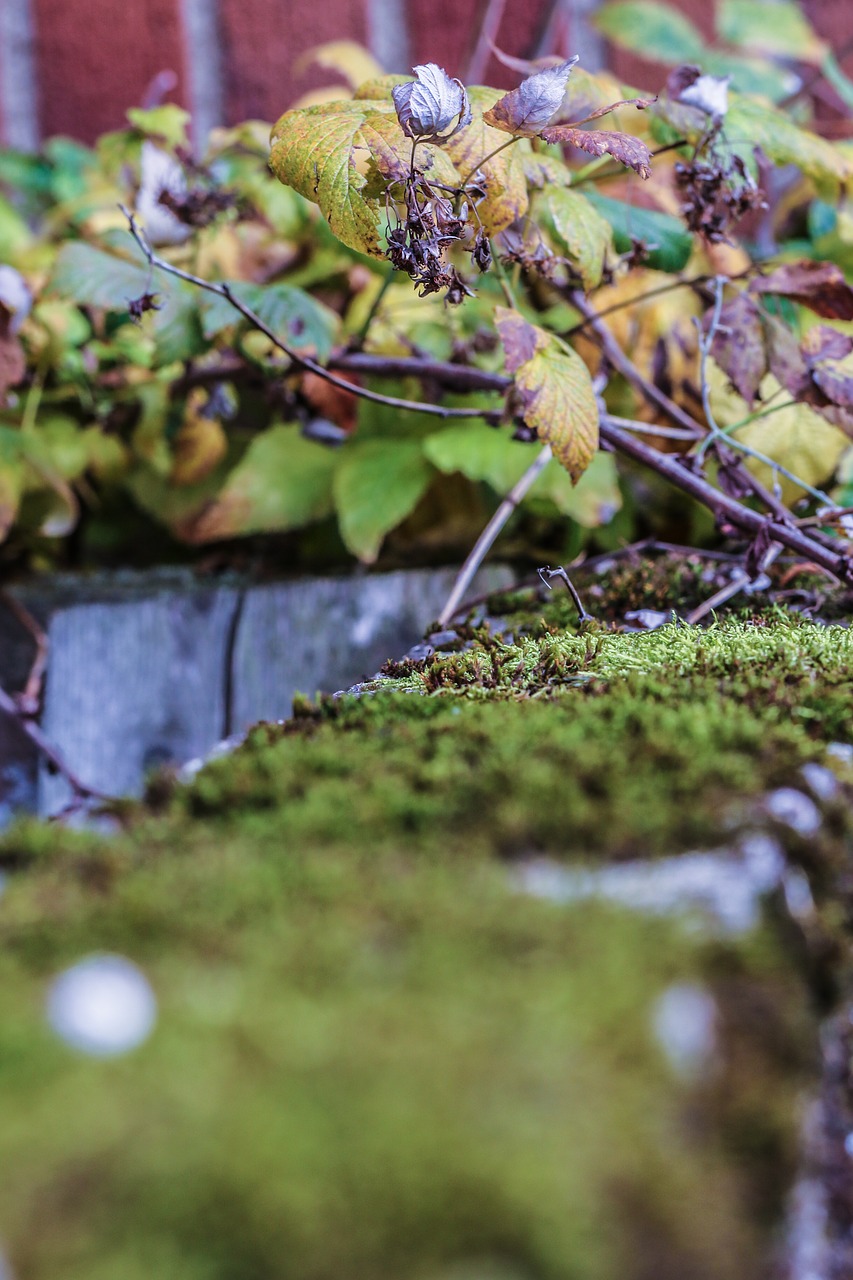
x,y
483,453
671,245
751,124
316,150
98,279
167,123
177,327
776,27
377,484
306,325
506,195
581,231
555,390
283,481
653,30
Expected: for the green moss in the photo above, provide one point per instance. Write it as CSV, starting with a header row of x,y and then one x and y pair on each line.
x,y
374,1058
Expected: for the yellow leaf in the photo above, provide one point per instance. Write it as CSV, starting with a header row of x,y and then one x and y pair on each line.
x,y
555,389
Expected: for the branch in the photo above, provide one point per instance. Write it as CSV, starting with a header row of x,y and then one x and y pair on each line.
x,y
9,706
303,361
487,538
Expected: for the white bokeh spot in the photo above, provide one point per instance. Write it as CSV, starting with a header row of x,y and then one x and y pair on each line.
x,y
102,1006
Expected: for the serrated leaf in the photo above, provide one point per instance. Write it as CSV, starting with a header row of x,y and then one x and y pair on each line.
x,y
319,151
391,154
653,30
623,147
377,484
581,231
283,481
528,108
506,197
304,323
555,390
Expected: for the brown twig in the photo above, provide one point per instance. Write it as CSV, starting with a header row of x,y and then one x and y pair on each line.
x,y
302,361
29,700
10,707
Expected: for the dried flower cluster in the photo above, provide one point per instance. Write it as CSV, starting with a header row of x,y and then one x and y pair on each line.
x,y
716,193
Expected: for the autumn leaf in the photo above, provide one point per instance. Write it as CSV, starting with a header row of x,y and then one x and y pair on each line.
x,y
528,108
820,286
623,147
554,388
506,196
431,104
739,345
316,151
581,231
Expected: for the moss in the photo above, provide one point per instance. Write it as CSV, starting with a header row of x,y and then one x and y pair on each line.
x,y
373,1057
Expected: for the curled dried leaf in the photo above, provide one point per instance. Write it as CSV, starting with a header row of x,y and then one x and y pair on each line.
x,y
623,147
528,108
428,106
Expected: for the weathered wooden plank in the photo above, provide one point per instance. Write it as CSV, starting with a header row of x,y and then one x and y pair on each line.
x,y
325,634
135,685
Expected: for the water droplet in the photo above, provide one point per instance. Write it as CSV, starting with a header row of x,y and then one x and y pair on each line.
x,y
102,1006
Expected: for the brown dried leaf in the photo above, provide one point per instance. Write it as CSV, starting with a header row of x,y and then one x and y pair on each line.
x,y
623,147
528,108
555,390
739,346
820,286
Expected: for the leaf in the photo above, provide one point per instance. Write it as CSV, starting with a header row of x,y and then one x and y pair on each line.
x,y
200,445
304,323
777,27
555,390
506,196
528,108
391,155
797,437
97,279
625,148
432,106
167,123
581,230
315,150
350,59
820,286
751,124
485,454
666,236
655,31
377,484
283,481
176,325
739,346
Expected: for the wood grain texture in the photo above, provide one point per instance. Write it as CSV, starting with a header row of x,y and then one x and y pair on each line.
x,y
135,685
322,635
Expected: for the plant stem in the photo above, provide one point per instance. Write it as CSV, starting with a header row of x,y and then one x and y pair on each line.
x,y
487,538
304,362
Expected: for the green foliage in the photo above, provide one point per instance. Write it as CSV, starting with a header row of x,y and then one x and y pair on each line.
x,y
122,382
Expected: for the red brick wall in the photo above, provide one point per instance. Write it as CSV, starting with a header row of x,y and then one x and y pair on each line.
x,y
92,59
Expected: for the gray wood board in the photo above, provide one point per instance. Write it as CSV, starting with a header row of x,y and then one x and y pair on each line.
x,y
140,676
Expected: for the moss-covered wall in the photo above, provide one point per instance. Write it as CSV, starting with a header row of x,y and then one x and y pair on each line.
x,y
375,1056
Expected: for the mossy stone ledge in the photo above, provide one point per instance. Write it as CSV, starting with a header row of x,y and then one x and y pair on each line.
x,y
376,1054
